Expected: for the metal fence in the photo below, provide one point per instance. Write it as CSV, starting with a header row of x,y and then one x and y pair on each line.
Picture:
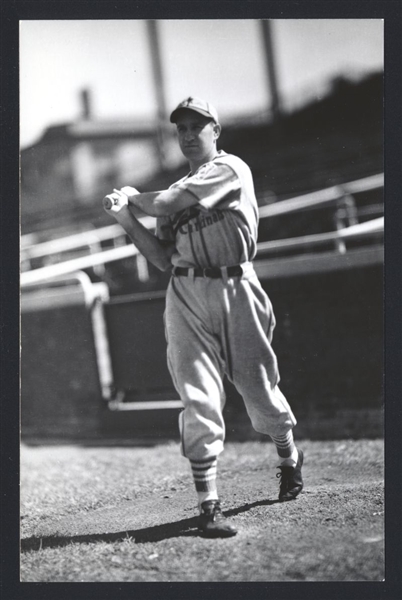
x,y
97,242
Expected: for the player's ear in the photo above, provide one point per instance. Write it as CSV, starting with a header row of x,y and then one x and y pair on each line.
x,y
217,130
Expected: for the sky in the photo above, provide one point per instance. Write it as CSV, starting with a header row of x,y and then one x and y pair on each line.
x,y
220,60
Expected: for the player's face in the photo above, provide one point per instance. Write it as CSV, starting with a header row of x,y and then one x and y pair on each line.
x,y
197,136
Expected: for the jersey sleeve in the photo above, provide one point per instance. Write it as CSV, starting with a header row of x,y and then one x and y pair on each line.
x,y
215,184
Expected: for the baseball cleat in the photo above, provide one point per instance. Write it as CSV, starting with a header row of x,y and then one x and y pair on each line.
x,y
212,523
291,483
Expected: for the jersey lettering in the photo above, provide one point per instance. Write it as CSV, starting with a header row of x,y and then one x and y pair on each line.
x,y
226,199
205,221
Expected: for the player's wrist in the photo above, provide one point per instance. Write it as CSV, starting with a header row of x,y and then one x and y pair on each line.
x,y
122,215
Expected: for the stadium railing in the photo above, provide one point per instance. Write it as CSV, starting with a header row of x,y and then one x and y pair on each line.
x,y
306,258
122,248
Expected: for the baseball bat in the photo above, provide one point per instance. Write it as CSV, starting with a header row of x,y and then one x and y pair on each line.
x,y
108,201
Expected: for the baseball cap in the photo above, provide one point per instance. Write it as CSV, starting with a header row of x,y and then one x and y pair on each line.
x,y
198,105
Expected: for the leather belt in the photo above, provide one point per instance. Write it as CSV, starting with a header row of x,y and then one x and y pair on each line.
x,y
213,272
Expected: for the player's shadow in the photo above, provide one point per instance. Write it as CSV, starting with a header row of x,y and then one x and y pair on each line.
x,y
241,509
157,533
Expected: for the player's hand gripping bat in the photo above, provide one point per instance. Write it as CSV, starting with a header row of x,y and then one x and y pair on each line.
x,y
114,202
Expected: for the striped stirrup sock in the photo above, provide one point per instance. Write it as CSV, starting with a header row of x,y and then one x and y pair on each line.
x,y
204,474
286,448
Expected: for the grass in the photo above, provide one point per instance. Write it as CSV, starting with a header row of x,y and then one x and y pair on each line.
x,y
128,514
57,481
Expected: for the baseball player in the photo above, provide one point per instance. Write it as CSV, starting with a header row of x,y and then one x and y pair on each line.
x,y
218,319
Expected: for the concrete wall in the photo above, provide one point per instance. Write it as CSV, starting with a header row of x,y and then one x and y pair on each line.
x,y
60,391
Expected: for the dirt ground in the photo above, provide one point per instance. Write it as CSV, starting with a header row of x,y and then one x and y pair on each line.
x,y
128,514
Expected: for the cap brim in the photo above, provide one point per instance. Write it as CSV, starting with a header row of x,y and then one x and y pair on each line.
x,y
176,112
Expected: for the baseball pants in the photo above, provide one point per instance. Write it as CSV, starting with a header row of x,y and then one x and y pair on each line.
x,y
216,327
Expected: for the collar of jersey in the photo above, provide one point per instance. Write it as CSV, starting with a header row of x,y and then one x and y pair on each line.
x,y
219,155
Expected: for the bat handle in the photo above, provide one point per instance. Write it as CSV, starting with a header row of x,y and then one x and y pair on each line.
x,y
108,202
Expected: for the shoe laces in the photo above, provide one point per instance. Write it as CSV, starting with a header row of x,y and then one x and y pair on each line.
x,y
284,475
